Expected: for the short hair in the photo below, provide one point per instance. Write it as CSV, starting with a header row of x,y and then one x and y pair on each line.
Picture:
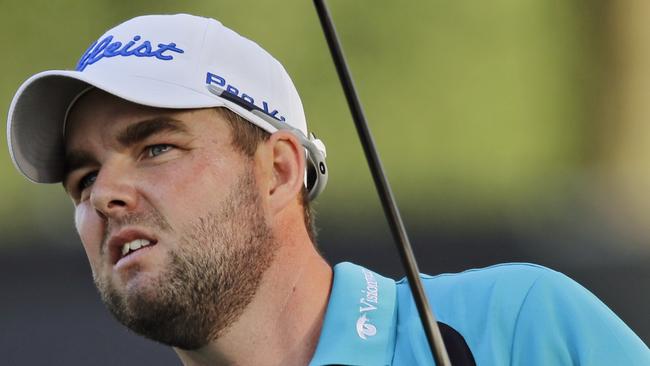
x,y
246,137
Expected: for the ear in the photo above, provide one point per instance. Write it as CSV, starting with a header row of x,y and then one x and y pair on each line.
x,y
287,172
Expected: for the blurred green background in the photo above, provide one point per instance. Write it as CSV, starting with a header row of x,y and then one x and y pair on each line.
x,y
476,108
510,130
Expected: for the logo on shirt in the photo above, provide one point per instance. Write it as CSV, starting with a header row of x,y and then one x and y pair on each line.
x,y
365,329
367,304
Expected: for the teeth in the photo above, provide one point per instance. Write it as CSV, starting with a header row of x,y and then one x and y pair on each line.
x,y
125,249
134,245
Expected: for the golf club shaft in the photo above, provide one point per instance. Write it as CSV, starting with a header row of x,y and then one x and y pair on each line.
x,y
387,200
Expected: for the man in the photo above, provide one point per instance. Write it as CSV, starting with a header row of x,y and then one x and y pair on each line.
x,y
185,150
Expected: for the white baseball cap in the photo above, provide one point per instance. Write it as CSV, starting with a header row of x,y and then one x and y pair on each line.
x,y
165,61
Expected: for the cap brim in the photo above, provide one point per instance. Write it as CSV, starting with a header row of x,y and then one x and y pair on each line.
x,y
38,110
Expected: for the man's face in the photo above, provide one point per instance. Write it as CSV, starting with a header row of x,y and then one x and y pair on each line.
x,y
170,183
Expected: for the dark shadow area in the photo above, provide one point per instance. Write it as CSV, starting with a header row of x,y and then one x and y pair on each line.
x,y
50,312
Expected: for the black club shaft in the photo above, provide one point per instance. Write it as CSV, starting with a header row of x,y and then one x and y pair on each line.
x,y
434,337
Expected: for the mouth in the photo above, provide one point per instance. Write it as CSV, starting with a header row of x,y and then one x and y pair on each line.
x,y
127,242
135,245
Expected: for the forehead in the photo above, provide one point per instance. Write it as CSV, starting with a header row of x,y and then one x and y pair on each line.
x,y
99,116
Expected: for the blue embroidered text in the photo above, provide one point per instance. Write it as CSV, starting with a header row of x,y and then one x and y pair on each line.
x,y
106,48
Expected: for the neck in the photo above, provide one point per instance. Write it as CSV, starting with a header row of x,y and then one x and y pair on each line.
x,y
282,324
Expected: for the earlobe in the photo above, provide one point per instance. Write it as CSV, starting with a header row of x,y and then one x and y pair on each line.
x,y
287,171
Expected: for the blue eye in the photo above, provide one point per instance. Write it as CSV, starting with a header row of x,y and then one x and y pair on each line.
x,y
155,150
87,181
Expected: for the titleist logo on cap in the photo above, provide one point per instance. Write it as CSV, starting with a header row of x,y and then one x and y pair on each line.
x,y
107,48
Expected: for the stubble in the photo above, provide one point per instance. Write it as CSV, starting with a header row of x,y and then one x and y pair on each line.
x,y
208,281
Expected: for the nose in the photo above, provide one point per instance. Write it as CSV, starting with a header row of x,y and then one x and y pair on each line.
x,y
113,194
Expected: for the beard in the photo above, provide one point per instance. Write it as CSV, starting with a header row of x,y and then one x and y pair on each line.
x,y
209,279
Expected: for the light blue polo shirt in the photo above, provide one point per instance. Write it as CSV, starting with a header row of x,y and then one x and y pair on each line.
x,y
508,314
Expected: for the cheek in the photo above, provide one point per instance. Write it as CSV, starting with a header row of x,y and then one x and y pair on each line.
x,y
89,228
188,187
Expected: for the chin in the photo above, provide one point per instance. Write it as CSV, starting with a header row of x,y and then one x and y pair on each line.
x,y
138,284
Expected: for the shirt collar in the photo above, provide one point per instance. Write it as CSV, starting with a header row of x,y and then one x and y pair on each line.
x,y
360,320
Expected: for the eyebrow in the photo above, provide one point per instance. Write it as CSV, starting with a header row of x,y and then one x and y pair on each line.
x,y
140,131
130,136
